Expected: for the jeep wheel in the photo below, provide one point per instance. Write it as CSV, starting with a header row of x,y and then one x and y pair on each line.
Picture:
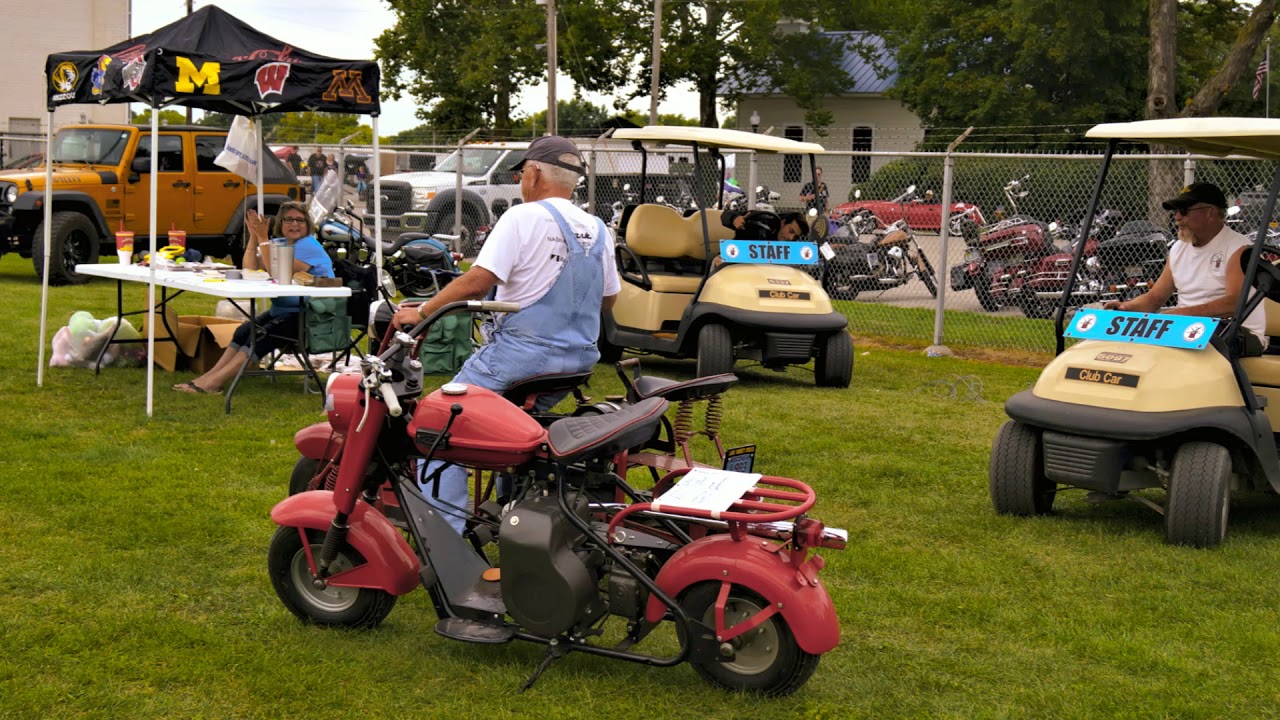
x,y
72,240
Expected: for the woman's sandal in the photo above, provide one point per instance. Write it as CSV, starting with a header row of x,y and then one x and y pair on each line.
x,y
190,388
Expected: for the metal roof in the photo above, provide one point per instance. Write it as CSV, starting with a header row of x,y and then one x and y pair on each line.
x,y
1255,137
863,74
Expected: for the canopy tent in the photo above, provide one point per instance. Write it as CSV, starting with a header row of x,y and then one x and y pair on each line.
x,y
212,61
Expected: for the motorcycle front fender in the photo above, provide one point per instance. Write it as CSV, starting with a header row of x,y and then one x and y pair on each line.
x,y
319,442
390,564
764,569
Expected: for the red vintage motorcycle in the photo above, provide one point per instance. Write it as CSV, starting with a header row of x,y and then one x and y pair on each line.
x,y
1000,256
572,557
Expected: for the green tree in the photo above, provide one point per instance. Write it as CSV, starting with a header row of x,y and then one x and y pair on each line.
x,y
466,60
320,127
167,117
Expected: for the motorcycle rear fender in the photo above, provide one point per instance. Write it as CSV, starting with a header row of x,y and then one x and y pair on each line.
x,y
319,441
764,569
390,563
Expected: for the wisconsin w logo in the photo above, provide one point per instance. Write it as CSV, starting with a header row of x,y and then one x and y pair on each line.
x,y
346,84
270,78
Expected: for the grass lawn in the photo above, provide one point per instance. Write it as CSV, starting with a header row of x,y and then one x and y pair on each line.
x,y
133,552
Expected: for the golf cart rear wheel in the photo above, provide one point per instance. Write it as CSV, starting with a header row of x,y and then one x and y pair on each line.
x,y
715,350
834,365
765,660
1199,496
328,606
1015,477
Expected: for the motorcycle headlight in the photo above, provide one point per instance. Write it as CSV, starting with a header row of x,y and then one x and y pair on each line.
x,y
388,285
8,194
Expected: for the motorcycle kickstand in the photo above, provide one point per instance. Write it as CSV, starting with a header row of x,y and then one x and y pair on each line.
x,y
555,651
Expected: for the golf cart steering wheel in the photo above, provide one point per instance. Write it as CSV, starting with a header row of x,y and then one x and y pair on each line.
x,y
1267,279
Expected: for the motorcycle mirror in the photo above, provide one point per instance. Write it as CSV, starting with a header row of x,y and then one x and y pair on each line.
x,y
660,199
1233,210
857,194
911,189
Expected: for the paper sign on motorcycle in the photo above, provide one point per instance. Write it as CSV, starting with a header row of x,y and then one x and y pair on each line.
x,y
771,252
1175,331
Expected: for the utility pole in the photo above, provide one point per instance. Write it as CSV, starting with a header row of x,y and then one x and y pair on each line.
x,y
657,61
552,125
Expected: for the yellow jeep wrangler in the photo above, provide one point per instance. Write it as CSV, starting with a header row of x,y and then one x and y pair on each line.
x,y
102,183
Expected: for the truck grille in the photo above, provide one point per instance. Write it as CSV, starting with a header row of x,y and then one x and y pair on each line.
x,y
397,198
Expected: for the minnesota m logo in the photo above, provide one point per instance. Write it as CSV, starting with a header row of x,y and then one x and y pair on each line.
x,y
189,78
347,84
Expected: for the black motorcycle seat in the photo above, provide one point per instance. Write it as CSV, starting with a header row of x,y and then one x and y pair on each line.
x,y
649,386
424,253
575,438
526,389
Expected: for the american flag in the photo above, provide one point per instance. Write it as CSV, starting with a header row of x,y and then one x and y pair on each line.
x,y
1259,78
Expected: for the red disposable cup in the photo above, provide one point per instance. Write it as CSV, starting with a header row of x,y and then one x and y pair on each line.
x,y
124,240
178,237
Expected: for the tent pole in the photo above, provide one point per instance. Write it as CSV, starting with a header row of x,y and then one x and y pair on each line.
x,y
48,231
261,139
151,260
377,199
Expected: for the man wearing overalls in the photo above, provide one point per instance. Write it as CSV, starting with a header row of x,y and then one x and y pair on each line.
x,y
555,261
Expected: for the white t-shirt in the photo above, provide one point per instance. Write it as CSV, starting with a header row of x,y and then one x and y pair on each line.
x,y
526,250
1200,274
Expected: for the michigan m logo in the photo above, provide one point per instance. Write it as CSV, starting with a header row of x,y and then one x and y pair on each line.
x,y
189,78
346,84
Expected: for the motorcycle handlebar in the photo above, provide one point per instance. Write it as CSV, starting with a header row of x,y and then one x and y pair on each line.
x,y
492,306
389,397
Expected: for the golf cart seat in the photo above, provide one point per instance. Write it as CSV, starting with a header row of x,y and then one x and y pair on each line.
x,y
1264,370
667,246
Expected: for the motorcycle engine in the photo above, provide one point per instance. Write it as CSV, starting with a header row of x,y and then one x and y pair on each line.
x,y
549,580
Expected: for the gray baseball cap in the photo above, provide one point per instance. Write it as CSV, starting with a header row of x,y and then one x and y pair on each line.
x,y
548,149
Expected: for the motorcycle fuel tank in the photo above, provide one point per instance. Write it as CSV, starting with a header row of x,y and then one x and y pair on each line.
x,y
490,433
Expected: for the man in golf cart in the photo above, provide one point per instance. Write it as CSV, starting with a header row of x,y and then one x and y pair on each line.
x,y
765,225
1203,267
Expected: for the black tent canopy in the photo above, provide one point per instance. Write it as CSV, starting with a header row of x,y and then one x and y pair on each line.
x,y
210,60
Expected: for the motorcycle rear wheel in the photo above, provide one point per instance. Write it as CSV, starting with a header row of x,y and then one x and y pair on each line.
x,y
330,606
767,659
982,288
304,472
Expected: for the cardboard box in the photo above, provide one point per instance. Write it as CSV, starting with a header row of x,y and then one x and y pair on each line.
x,y
212,335
167,352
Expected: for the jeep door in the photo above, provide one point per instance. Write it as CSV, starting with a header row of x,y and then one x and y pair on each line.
x,y
173,189
218,192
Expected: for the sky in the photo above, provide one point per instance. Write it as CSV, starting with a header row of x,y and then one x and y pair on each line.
x,y
346,29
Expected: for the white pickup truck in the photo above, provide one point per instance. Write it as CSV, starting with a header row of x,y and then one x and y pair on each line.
x,y
426,201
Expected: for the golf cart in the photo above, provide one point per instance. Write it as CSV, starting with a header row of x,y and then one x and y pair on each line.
x,y
677,303
1152,401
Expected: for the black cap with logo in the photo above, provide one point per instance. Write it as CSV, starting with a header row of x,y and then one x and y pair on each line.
x,y
1195,193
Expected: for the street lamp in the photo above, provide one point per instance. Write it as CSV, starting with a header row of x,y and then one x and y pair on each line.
x,y
755,121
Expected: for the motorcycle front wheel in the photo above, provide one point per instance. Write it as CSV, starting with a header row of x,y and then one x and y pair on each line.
x,y
927,275
329,606
766,660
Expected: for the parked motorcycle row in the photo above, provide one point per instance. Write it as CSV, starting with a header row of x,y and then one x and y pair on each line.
x,y
415,264
1023,262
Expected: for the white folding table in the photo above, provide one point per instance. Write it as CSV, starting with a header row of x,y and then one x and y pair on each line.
x,y
206,284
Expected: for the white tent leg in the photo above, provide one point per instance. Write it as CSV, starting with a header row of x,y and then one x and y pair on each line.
x,y
377,200
48,231
151,263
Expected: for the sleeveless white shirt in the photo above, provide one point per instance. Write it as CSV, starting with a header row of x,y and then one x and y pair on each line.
x,y
1200,274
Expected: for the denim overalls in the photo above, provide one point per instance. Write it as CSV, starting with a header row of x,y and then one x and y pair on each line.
x,y
556,334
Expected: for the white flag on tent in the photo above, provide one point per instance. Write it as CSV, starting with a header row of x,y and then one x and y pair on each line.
x,y
243,151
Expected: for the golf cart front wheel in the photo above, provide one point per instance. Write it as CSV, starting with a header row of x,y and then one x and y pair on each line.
x,y
834,365
326,605
1016,479
715,350
1199,496
765,660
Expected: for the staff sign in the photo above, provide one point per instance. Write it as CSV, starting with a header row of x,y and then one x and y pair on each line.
x,y
1177,331
772,252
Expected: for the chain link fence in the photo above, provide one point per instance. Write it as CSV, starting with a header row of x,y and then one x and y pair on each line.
x,y
985,270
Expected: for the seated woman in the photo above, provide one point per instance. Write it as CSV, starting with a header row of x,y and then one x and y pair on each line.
x,y
280,323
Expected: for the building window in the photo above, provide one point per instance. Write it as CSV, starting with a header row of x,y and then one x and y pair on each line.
x,y
860,165
792,165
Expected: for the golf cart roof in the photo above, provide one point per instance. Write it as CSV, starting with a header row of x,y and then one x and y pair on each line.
x,y
717,137
1255,137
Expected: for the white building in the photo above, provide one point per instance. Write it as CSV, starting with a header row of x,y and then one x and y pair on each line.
x,y
35,30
